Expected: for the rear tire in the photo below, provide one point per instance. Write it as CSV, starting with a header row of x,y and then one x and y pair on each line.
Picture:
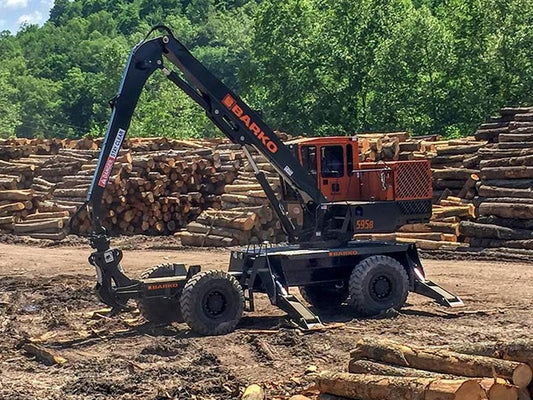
x,y
212,303
324,296
160,310
377,284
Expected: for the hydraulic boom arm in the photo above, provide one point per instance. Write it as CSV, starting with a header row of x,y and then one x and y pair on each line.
x,y
227,111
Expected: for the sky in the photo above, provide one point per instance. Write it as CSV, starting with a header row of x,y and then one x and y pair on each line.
x,y
13,13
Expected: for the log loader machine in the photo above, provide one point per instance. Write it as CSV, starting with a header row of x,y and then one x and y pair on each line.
x,y
328,195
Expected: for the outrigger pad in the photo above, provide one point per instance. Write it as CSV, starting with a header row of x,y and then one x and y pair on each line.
x,y
298,312
437,293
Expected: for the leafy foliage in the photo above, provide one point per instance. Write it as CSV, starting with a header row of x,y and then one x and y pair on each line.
x,y
311,66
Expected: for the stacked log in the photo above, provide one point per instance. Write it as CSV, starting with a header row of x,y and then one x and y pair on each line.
x,y
21,213
504,199
455,168
441,232
160,185
154,189
380,146
157,192
382,369
245,216
454,162
491,130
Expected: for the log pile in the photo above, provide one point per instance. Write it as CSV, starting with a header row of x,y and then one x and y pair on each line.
x,y
381,369
23,212
455,168
482,191
454,162
158,192
381,146
245,216
504,199
154,188
491,130
497,177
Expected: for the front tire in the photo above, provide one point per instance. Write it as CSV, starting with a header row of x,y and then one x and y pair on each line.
x,y
377,284
160,310
212,303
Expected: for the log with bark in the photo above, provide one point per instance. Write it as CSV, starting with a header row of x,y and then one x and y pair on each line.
x,y
468,189
45,225
495,191
507,210
515,172
16,195
494,389
453,173
512,244
516,350
480,230
375,387
507,222
364,366
444,361
435,226
507,161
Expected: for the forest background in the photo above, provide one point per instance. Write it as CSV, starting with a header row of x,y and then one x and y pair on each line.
x,y
315,67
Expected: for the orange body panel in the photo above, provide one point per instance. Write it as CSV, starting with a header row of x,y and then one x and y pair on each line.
x,y
340,176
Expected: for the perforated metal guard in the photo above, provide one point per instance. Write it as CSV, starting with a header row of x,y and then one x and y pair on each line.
x,y
415,207
413,180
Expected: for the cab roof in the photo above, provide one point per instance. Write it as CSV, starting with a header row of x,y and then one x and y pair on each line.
x,y
324,140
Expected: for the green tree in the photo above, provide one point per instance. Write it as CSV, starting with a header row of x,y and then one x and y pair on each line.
x,y
410,74
40,109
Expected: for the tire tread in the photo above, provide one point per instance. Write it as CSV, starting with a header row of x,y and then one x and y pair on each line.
x,y
357,296
187,302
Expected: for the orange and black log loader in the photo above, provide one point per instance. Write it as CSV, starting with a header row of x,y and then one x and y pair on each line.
x,y
327,196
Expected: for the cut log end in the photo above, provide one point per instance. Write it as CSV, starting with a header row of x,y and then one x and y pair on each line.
x,y
522,375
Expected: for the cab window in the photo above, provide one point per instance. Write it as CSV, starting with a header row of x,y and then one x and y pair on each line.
x,y
332,161
309,159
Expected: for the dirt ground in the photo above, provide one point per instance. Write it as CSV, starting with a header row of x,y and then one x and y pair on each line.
x,y
47,292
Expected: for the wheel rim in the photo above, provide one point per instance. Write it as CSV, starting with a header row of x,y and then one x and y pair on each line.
x,y
381,288
214,304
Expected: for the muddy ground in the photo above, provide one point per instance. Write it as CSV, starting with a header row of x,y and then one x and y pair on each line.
x,y
47,292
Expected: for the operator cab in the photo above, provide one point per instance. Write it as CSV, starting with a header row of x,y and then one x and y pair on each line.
x,y
341,177
334,163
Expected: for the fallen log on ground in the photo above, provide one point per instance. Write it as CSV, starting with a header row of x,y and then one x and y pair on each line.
x,y
443,361
43,354
374,387
495,389
371,367
517,350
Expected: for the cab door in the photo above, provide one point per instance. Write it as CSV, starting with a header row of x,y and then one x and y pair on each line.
x,y
334,178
